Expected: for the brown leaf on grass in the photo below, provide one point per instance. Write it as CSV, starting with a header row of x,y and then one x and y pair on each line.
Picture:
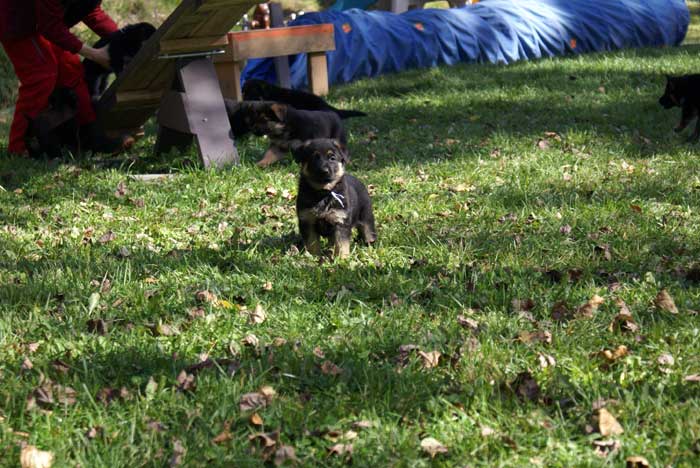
x,y
546,360
121,190
284,454
636,462
27,364
328,368
589,309
666,360
692,378
665,302
431,359
109,236
487,431
94,432
613,355
404,353
604,250
255,419
364,424
31,457
267,286
163,329
205,296
605,448
257,316
432,447
318,352
185,382
606,424
539,336
108,394
196,312
623,321
178,453
561,312
224,435
32,347
525,387
543,143
340,449
264,442
155,426
255,400
468,323
522,305
251,340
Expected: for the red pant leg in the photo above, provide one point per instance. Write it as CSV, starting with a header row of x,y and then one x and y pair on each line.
x,y
71,75
37,71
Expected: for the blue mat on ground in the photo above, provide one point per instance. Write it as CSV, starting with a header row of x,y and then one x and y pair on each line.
x,y
372,43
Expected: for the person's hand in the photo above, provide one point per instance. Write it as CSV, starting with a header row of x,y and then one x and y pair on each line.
x,y
100,56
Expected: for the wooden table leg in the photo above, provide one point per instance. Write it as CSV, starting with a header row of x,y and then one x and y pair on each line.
x,y
317,71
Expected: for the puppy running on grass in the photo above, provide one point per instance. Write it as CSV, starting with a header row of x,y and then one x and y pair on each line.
x,y
330,203
684,92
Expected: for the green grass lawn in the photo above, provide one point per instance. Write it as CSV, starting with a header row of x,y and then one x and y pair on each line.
x,y
505,197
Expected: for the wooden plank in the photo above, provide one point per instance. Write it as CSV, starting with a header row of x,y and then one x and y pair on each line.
x,y
138,98
229,74
281,41
192,18
195,44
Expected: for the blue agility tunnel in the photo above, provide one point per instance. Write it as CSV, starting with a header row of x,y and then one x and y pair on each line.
x,y
372,43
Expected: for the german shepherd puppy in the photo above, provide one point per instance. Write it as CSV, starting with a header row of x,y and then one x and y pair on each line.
x,y
259,90
683,92
55,127
330,202
284,125
123,46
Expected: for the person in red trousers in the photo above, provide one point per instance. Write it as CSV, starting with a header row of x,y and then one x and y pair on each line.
x,y
44,53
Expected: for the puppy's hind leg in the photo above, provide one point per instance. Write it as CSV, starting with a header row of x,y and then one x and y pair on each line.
x,y
367,229
687,116
271,156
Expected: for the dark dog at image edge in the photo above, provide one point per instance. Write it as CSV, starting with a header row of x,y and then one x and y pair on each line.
x,y
330,202
683,92
123,45
285,125
55,127
259,90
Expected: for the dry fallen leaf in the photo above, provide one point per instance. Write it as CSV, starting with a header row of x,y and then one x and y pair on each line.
x,y
636,462
612,355
664,301
178,453
591,307
607,425
605,448
251,340
692,378
431,359
487,431
328,368
340,449
255,400
185,381
522,305
432,447
546,360
467,322
32,457
666,360
256,316
364,424
540,336
205,296
285,454
623,321
256,420
225,434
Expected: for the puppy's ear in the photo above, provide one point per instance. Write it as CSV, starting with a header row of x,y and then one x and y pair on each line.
x,y
280,111
342,150
300,150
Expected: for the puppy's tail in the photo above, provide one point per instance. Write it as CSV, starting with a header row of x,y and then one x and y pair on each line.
x,y
346,114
